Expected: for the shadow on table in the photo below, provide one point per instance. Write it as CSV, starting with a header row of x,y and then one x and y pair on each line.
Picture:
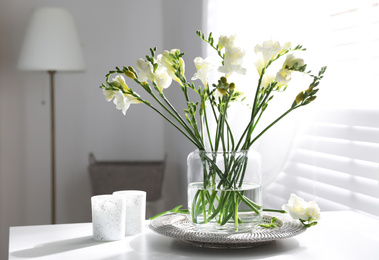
x,y
154,246
56,247
162,248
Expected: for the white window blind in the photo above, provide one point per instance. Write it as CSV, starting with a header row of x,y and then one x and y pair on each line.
x,y
335,162
351,44
335,156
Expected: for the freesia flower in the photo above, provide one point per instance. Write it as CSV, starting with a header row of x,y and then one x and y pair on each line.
x,y
162,78
123,101
291,60
108,94
313,211
222,41
120,101
267,51
204,67
166,60
283,77
299,209
119,81
266,80
233,56
146,70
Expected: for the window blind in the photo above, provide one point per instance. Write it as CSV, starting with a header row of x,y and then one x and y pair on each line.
x,y
335,161
336,157
350,41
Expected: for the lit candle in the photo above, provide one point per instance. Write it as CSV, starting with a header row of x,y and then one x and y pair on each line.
x,y
135,210
108,217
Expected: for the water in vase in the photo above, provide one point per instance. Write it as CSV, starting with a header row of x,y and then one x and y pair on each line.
x,y
225,210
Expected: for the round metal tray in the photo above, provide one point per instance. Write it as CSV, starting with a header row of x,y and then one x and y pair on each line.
x,y
179,227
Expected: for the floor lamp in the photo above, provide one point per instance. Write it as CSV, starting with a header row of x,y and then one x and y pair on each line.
x,y
51,44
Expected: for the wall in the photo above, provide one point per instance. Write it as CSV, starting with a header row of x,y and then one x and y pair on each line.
x,y
181,20
113,33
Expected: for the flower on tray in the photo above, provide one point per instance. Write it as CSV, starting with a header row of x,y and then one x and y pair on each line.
x,y
307,213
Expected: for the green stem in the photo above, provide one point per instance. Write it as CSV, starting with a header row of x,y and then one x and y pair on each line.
x,y
274,210
249,203
273,123
174,210
208,132
172,123
203,206
179,117
237,202
194,207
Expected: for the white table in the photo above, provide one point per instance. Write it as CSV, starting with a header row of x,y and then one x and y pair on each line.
x,y
339,235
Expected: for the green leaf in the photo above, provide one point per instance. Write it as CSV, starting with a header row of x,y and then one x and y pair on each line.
x,y
271,225
174,210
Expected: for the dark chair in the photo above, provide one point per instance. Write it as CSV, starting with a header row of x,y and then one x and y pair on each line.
x,y
109,176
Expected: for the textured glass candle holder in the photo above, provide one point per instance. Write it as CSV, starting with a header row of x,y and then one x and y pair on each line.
x,y
108,217
135,210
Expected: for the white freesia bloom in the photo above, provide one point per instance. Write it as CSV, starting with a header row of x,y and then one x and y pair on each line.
x,y
267,51
166,60
204,67
266,80
222,41
291,60
108,94
123,101
283,77
313,210
260,63
146,70
162,78
298,208
233,58
119,81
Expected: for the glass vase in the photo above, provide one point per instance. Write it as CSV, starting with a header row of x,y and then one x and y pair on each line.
x,y
224,190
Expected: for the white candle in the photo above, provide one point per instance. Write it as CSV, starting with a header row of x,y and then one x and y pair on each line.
x,y
108,217
135,210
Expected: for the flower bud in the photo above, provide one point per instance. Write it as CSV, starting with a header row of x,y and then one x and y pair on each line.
x,y
309,90
222,91
312,98
130,74
132,69
299,97
115,84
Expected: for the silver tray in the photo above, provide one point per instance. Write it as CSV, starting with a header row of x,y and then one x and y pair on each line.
x,y
179,227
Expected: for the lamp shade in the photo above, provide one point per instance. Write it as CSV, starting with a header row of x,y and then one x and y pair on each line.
x,y
51,42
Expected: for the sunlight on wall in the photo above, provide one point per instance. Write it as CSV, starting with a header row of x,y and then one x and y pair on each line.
x,y
341,34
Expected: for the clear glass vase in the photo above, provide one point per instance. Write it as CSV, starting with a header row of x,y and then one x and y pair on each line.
x,y
224,190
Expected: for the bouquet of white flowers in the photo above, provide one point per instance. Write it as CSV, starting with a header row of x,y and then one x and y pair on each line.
x,y
156,73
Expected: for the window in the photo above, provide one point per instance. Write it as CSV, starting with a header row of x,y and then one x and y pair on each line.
x,y
334,158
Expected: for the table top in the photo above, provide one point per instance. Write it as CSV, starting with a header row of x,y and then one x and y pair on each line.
x,y
339,235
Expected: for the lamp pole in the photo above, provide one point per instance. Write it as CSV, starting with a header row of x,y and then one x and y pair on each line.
x,y
52,121
51,44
